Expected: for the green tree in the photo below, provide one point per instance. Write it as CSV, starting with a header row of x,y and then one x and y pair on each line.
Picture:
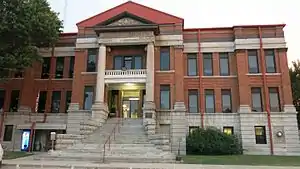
x,y
295,84
25,25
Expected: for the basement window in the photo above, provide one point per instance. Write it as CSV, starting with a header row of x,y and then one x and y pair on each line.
x,y
260,135
228,130
8,132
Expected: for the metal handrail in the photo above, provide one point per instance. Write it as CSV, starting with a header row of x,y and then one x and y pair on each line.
x,y
108,140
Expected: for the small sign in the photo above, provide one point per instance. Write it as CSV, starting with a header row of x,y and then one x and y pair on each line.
x,y
52,135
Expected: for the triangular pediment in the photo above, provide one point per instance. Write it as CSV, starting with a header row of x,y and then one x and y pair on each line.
x,y
125,19
143,13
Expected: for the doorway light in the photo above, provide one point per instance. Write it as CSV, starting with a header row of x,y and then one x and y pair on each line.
x,y
129,84
134,98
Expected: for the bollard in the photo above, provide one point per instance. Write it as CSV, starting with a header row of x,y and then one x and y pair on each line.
x,y
17,166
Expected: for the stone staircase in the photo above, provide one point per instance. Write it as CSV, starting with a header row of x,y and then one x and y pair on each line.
x,y
130,145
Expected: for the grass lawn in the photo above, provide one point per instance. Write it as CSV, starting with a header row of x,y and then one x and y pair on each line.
x,y
8,155
244,160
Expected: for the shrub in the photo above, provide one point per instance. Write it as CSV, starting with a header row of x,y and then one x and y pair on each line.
x,y
212,141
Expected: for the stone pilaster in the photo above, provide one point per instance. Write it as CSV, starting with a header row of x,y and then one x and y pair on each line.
x,y
99,109
179,128
75,118
149,117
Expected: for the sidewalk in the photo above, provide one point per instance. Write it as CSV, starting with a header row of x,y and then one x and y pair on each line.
x,y
80,164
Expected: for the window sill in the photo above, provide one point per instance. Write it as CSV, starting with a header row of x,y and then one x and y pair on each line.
x,y
56,79
260,74
232,76
88,73
165,71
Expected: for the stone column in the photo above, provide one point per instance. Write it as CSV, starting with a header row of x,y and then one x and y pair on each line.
x,y
150,73
149,107
99,109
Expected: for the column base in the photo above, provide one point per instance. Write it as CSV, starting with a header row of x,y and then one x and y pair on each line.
x,y
289,108
149,113
244,109
99,112
24,109
73,106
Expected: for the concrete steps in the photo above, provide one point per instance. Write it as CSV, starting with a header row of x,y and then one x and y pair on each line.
x,y
130,145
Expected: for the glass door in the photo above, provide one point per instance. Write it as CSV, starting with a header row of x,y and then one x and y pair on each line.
x,y
134,108
130,108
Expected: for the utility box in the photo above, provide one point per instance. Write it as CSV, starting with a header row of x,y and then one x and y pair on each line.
x,y
52,136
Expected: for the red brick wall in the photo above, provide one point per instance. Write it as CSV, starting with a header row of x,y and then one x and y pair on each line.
x,y
176,77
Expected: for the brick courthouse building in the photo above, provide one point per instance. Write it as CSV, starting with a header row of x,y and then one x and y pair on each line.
x,y
133,61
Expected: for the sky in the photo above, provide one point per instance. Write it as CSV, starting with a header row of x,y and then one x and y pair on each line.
x,y
200,14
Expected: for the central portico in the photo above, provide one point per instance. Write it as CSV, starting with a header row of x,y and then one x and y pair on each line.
x,y
124,49
132,68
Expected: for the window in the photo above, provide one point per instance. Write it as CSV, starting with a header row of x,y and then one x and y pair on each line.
x,y
14,101
192,65
228,130
42,102
224,64
209,101
2,98
256,99
165,58
68,100
138,62
91,60
46,68
253,61
274,99
55,105
207,64
71,68
226,101
128,62
270,61
59,70
193,101
88,97
193,128
8,132
18,74
260,135
165,97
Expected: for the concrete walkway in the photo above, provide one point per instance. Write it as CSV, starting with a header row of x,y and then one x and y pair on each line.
x,y
11,164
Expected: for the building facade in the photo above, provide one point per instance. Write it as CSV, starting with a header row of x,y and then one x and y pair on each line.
x,y
133,61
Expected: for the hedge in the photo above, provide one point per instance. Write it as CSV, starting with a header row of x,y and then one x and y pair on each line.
x,y
212,141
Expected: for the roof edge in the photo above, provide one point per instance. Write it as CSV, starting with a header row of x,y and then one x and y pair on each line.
x,y
182,20
236,26
101,13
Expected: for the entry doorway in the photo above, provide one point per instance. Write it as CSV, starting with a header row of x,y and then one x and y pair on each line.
x,y
130,108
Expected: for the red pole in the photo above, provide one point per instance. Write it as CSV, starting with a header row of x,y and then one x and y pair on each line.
x,y
265,88
200,80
